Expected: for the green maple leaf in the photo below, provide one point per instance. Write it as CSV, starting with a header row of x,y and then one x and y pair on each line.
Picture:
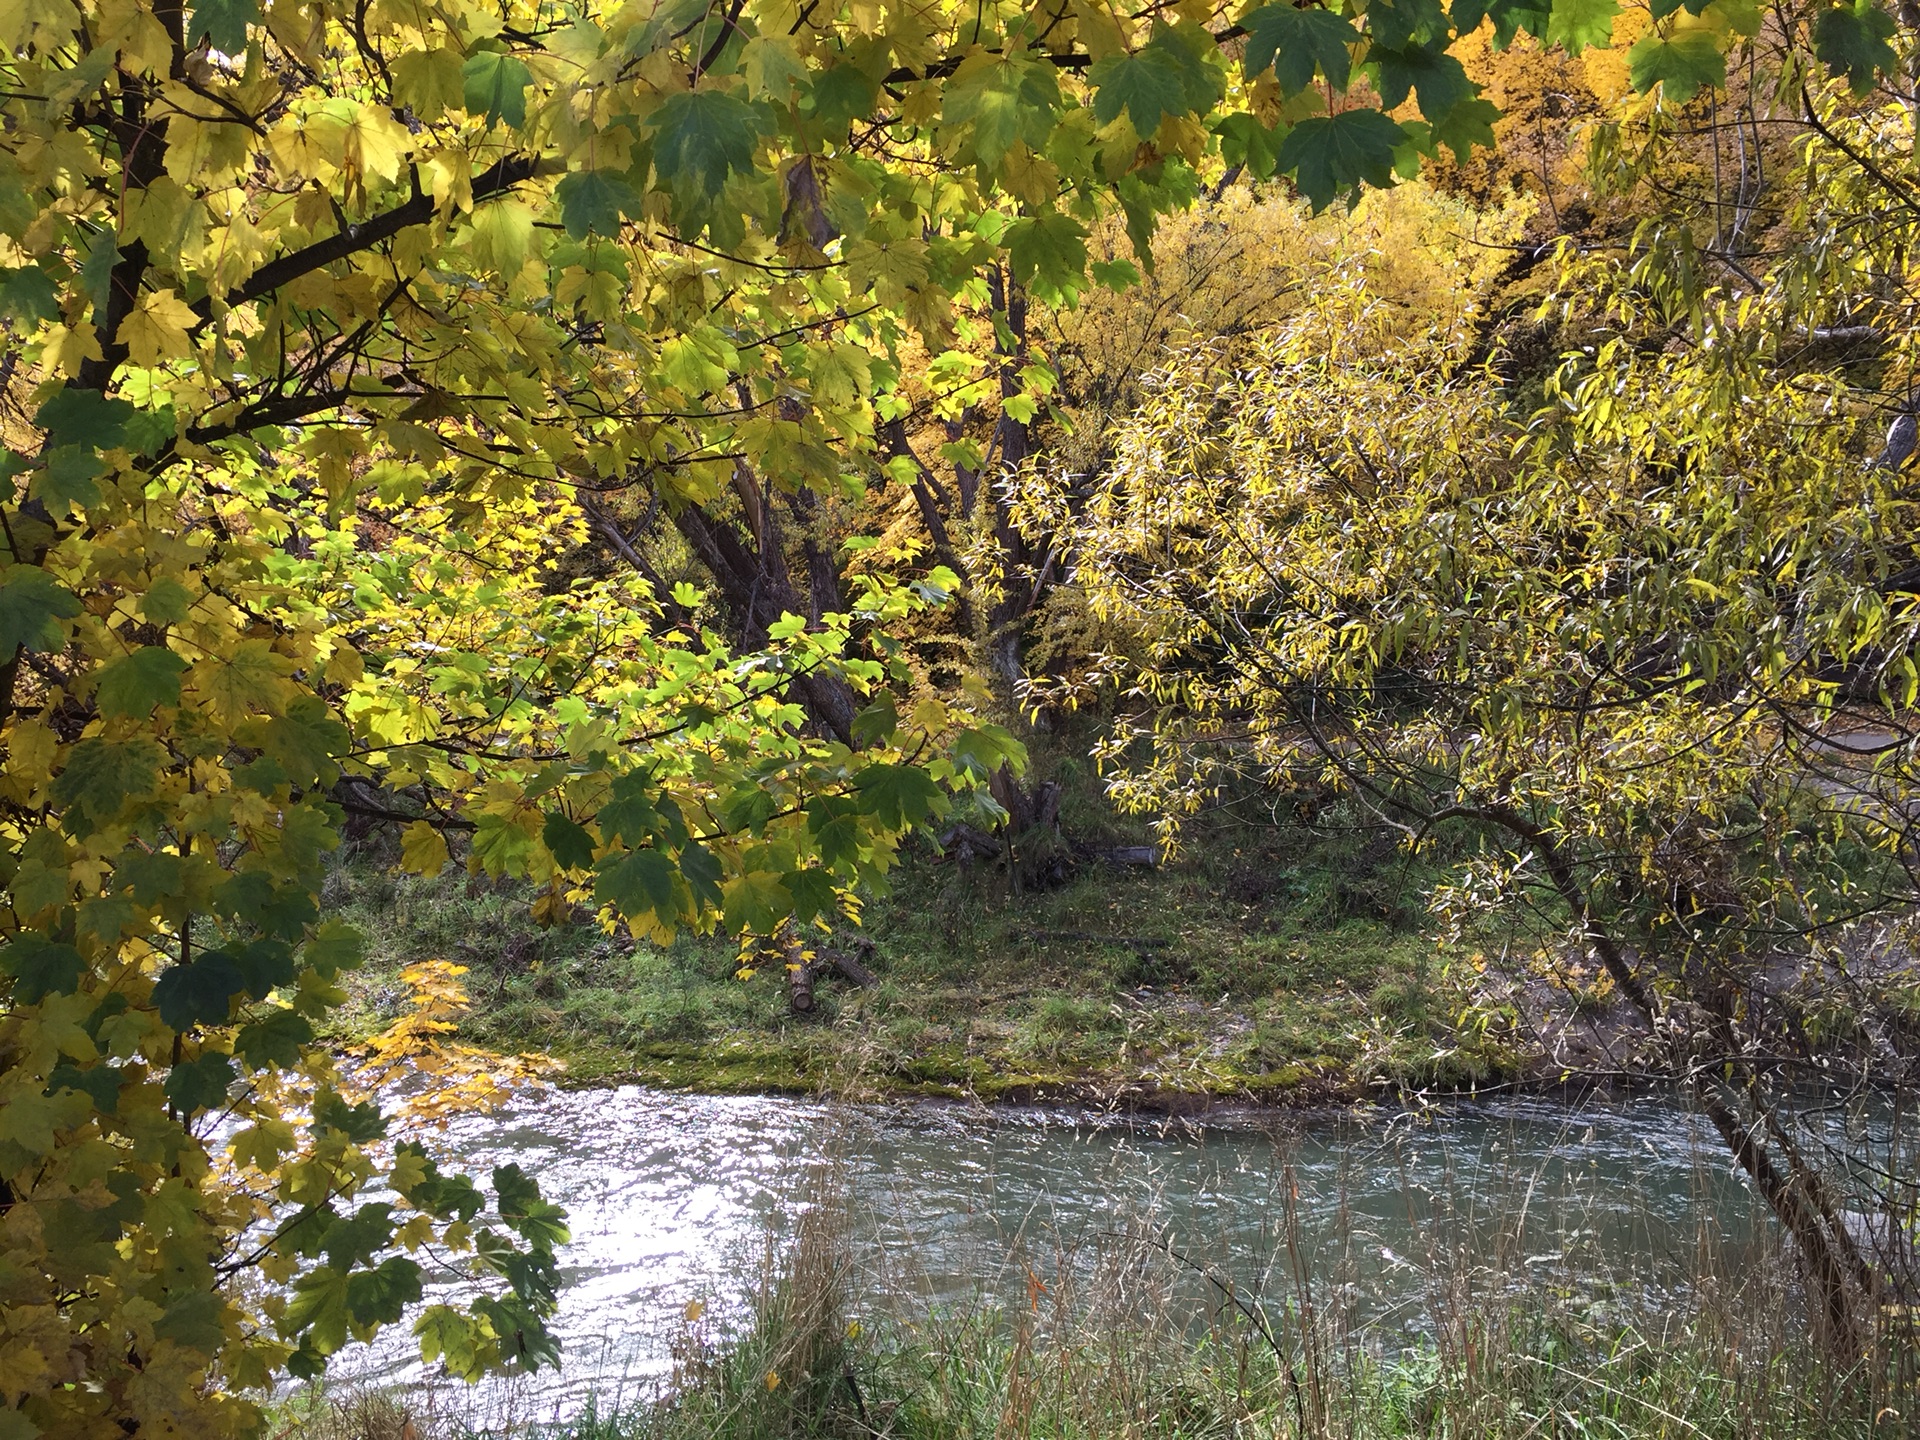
x,y
1575,24
318,1310
628,814
898,796
102,775
1440,80
637,882
1006,102
1298,42
1243,141
276,1040
1048,251
67,479
41,967
136,685
569,844
1682,64
592,202
381,1295
199,993
455,1340
307,740
1403,24
1509,18
84,417
539,1221
840,95
99,1083
703,136
840,841
1852,40
1466,125
1331,155
32,606
495,86
224,23
756,901
200,1084
812,892
27,295
1147,85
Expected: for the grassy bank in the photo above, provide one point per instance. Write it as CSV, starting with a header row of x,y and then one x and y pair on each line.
x,y
1116,1348
1269,963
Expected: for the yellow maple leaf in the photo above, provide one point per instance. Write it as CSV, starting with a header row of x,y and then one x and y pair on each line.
x,y
423,849
66,349
156,328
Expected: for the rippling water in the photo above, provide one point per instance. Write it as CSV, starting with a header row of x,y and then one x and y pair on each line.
x,y
676,1198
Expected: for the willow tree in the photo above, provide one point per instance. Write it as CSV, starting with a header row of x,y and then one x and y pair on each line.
x,y
1656,642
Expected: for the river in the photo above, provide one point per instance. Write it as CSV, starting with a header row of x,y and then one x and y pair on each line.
x,y
676,1199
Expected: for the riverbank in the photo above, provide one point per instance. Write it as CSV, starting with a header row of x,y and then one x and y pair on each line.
x,y
1270,966
1118,1332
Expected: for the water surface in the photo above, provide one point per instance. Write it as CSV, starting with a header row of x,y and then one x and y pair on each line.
x,y
676,1198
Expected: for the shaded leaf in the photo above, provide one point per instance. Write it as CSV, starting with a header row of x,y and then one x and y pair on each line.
x,y
495,87
1296,43
136,685
32,604
1332,155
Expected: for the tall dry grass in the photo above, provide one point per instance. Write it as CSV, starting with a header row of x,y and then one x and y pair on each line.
x,y
1129,1334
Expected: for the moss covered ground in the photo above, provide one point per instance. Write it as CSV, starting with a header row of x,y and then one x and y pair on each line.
x,y
1269,963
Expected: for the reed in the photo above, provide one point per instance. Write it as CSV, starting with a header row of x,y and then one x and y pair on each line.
x,y
1129,1334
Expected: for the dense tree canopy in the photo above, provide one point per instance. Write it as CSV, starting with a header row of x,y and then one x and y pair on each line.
x,y
332,331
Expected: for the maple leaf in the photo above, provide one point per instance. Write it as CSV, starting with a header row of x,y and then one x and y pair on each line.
x,y
1851,40
224,23
1576,24
1048,250
32,605
155,330
636,883
1147,85
40,967
755,902
1332,155
135,685
701,137
1296,43
1682,64
494,87
1003,103
1439,78
429,82
569,844
898,796
592,202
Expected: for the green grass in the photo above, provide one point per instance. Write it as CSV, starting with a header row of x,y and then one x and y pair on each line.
x,y
1108,1352
1269,962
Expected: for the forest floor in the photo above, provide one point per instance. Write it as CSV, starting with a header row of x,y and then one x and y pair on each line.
x,y
1270,964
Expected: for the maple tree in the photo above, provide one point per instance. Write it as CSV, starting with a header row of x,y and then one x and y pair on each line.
x,y
330,327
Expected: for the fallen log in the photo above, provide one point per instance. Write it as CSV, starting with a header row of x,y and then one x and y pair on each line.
x,y
802,974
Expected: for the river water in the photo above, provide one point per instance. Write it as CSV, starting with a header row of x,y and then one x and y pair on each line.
x,y
676,1199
